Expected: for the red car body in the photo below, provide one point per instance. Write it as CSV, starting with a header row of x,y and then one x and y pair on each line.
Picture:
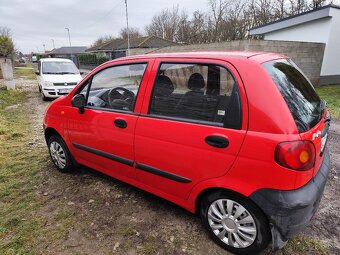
x,y
188,166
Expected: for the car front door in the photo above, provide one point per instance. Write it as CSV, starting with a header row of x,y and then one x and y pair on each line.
x,y
192,125
102,136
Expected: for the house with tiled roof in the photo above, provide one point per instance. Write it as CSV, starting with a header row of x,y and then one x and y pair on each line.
x,y
118,47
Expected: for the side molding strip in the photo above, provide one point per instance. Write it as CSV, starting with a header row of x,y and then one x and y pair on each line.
x,y
104,154
162,173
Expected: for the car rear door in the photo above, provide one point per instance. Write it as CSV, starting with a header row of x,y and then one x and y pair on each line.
x,y
102,136
192,124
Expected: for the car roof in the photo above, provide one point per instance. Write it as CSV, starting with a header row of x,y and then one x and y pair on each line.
x,y
55,60
255,55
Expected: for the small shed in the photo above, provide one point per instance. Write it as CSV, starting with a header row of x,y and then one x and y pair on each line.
x,y
321,25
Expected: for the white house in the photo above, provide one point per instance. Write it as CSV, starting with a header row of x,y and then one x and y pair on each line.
x,y
321,25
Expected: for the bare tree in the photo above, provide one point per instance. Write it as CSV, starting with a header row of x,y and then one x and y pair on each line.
x,y
198,28
165,24
280,8
318,3
225,19
297,7
5,31
134,32
101,40
218,10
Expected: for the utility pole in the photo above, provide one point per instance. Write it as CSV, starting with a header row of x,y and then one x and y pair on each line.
x,y
127,28
44,48
69,40
53,43
69,37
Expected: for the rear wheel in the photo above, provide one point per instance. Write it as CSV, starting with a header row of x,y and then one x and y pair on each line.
x,y
235,223
60,154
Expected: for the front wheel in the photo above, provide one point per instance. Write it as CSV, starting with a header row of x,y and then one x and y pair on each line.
x,y
60,154
43,97
235,223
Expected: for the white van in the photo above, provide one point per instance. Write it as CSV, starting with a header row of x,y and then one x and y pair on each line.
x,y
56,77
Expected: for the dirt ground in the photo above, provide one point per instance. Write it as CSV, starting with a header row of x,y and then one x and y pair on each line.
x,y
89,213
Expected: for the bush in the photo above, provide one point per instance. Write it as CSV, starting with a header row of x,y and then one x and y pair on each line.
x,y
91,59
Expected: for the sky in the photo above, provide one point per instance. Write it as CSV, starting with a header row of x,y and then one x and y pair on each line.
x,y
34,23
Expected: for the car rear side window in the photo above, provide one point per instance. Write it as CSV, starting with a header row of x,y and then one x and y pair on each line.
x,y
299,94
194,92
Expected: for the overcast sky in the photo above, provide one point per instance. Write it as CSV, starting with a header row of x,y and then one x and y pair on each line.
x,y
35,22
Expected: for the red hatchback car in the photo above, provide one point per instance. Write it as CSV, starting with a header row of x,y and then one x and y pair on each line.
x,y
238,137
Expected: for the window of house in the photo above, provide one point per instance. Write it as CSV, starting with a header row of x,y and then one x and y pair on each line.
x,y
115,87
196,92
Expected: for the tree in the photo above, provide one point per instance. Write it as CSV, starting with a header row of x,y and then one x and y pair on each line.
x,y
101,40
6,43
165,24
134,32
198,28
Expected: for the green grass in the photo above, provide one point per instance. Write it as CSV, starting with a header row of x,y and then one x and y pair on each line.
x,y
304,245
18,176
28,73
331,94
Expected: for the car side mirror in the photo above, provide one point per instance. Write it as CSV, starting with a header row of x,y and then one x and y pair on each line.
x,y
37,72
79,101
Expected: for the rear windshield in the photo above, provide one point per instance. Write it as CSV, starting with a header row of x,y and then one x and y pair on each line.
x,y
299,94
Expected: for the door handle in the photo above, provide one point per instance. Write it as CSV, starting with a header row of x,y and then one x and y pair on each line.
x,y
217,141
120,123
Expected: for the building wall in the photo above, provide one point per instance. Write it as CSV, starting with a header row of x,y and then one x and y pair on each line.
x,y
314,31
330,71
308,56
326,30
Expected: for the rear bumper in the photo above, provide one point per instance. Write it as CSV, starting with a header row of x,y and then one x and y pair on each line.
x,y
290,211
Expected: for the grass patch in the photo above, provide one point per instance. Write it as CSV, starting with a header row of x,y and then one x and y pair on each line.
x,y
28,71
304,245
149,248
126,230
10,97
331,94
19,227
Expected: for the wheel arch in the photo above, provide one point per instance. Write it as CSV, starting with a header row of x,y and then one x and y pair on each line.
x,y
208,191
49,132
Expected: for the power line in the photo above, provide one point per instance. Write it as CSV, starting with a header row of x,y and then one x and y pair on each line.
x,y
104,16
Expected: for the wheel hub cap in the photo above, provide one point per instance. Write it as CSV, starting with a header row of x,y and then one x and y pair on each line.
x,y
229,224
232,223
58,155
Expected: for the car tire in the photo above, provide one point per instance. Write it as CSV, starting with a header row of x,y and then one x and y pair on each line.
x,y
60,154
43,97
234,222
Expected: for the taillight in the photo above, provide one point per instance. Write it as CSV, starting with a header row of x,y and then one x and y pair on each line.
x,y
297,155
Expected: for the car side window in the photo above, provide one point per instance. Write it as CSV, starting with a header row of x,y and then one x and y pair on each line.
x,y
115,87
196,92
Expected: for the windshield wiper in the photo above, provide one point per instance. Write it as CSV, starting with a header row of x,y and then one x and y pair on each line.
x,y
66,73
50,73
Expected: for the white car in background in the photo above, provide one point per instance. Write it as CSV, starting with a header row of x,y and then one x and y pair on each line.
x,y
56,77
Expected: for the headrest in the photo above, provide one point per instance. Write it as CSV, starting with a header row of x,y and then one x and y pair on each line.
x,y
164,86
196,82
